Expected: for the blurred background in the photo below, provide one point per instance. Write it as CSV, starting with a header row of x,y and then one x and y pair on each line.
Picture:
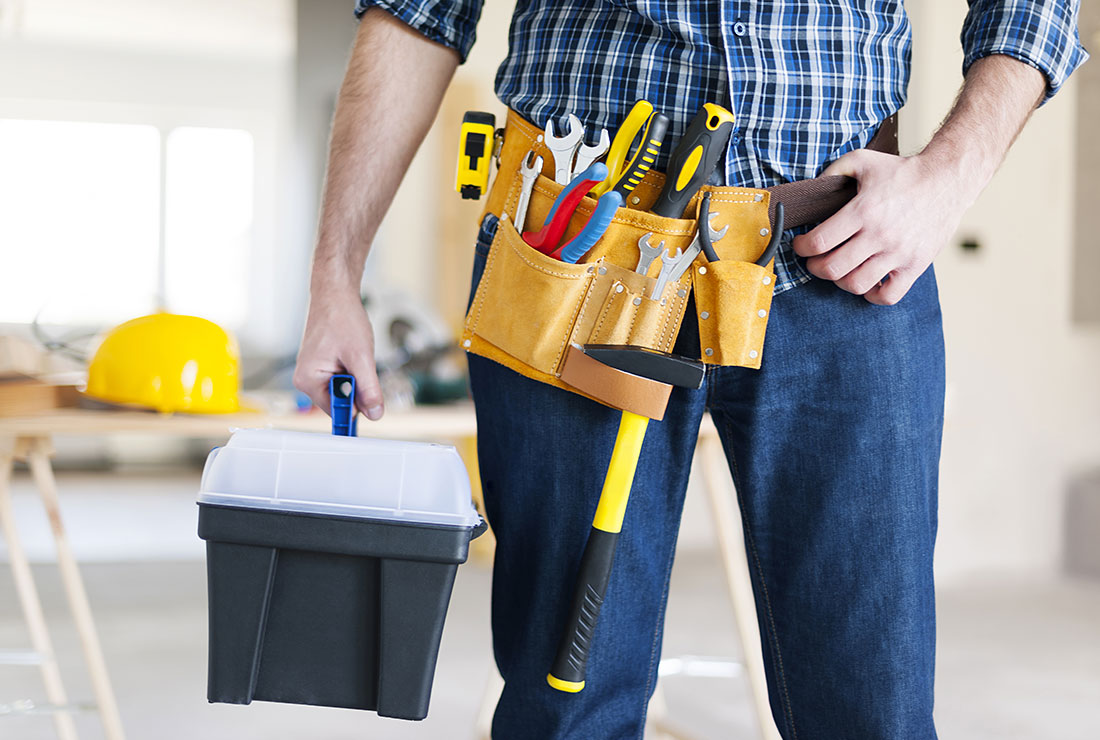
x,y
159,154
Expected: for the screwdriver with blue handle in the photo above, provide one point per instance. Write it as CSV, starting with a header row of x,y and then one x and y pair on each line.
x,y
692,162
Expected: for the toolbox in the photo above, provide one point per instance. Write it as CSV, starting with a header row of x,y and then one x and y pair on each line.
x,y
330,563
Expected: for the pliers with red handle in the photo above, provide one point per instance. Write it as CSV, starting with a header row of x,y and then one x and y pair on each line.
x,y
546,239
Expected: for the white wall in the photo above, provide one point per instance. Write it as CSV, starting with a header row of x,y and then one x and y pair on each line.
x,y
1023,410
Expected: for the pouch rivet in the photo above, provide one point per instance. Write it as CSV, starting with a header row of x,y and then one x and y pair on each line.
x,y
763,232
681,293
635,200
761,313
603,270
619,288
767,279
753,354
592,269
504,216
466,343
702,271
709,352
705,315
759,197
637,301
664,301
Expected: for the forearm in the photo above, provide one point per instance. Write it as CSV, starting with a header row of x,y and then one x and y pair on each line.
x,y
391,93
995,102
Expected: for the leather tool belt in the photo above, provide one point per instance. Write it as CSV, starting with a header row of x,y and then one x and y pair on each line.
x,y
531,312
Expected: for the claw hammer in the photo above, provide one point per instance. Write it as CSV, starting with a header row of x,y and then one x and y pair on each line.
x,y
568,671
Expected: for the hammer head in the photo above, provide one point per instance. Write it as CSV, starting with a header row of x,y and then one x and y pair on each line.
x,y
649,363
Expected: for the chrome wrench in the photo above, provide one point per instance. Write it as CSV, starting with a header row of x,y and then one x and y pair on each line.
x,y
647,253
530,173
563,148
681,262
586,155
669,262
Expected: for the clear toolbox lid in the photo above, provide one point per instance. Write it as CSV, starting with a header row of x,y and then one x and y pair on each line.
x,y
411,482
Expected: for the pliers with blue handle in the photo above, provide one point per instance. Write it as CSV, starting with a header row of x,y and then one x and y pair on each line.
x,y
557,221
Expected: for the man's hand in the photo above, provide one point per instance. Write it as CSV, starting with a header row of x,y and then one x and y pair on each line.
x,y
338,339
906,208
905,211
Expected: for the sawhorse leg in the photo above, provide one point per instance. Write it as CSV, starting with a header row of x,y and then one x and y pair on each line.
x,y
29,601
37,451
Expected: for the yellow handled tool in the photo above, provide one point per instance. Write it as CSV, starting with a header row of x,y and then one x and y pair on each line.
x,y
568,671
694,158
475,148
617,155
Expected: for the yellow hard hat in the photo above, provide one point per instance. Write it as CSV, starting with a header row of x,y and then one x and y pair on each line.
x,y
168,362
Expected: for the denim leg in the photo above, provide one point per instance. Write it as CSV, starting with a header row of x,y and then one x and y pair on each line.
x,y
834,447
543,453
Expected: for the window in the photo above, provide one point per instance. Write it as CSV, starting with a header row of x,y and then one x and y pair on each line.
x,y
208,224
81,214
79,220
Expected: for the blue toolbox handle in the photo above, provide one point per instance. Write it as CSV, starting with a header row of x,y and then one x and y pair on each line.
x,y
341,389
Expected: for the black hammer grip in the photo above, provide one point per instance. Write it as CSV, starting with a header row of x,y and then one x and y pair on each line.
x,y
567,673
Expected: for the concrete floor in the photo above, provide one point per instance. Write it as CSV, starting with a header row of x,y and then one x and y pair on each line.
x,y
1016,661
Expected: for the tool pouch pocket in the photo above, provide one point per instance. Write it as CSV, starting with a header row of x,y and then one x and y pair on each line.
x,y
733,300
528,308
526,303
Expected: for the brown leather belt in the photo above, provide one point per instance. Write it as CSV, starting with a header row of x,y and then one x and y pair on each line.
x,y
810,201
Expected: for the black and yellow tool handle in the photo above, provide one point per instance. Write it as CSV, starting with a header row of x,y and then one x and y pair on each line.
x,y
694,158
645,156
568,671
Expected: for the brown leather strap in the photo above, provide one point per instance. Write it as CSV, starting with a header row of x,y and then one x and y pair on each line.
x,y
810,201
617,389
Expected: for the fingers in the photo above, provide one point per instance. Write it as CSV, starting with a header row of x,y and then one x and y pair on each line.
x,y
894,289
837,264
866,276
831,232
313,381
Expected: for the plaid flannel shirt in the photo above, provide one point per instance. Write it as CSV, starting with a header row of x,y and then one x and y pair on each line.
x,y
807,81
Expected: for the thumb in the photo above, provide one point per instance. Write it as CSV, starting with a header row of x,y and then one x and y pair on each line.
x,y
368,391
850,164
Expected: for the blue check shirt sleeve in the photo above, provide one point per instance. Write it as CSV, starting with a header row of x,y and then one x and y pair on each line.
x,y
1042,33
452,23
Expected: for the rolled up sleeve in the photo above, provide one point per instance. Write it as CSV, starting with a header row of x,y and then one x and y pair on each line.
x,y
452,23
1041,33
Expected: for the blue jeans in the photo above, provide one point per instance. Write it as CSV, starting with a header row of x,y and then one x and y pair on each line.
x,y
834,448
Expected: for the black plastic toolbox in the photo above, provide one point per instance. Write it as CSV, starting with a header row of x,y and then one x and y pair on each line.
x,y
310,607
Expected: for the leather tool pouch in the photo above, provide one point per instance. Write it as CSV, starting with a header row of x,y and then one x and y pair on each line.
x,y
528,308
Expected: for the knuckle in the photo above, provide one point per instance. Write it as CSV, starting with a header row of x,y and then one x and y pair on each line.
x,y
817,244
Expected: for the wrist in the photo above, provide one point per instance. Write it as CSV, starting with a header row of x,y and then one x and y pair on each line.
x,y
955,170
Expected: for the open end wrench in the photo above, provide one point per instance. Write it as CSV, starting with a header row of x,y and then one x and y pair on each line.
x,y
701,236
586,155
530,172
669,261
647,253
564,147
